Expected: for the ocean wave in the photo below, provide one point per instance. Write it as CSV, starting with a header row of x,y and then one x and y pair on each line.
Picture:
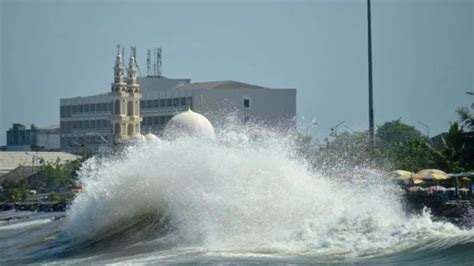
x,y
19,225
244,197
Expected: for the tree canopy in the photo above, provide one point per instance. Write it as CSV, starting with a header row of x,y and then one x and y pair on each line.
x,y
397,133
401,146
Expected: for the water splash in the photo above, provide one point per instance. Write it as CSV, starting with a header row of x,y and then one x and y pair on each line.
x,y
247,196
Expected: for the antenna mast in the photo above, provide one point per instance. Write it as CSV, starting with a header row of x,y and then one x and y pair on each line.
x,y
158,62
148,62
154,61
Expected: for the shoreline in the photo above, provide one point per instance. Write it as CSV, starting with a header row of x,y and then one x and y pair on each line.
x,y
54,206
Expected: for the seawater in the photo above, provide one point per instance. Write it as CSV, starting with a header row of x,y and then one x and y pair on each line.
x,y
238,199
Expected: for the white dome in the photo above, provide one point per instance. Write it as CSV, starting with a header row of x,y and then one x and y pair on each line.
x,y
191,124
138,137
151,137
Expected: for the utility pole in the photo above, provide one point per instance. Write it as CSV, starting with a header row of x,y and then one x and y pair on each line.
x,y
371,102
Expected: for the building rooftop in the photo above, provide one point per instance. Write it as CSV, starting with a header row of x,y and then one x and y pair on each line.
x,y
10,160
48,127
161,83
20,173
223,84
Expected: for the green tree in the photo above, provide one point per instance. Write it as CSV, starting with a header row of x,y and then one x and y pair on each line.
x,y
54,196
401,146
59,174
396,133
16,191
466,118
455,153
404,146
412,155
348,150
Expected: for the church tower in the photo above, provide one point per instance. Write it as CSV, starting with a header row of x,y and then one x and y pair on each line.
x,y
125,119
134,96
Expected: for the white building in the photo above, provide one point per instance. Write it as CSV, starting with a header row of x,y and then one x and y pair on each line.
x,y
148,103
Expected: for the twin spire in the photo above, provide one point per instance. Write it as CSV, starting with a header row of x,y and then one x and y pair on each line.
x,y
119,69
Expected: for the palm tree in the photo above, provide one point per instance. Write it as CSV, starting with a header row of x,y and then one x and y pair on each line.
x,y
466,118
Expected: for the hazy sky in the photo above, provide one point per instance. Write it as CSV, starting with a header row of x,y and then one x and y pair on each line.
x,y
423,53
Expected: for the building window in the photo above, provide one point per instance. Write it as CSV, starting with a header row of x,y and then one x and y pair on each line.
x,y
168,103
117,107
86,108
183,101
155,103
93,107
97,107
79,108
74,108
162,102
130,108
148,104
247,103
68,111
176,101
156,120
92,124
117,129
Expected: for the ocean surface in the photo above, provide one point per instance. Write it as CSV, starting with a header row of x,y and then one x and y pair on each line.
x,y
234,200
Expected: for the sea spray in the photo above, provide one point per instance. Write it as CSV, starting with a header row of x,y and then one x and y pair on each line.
x,y
242,194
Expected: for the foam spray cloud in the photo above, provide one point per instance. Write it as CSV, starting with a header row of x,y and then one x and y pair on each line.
x,y
238,195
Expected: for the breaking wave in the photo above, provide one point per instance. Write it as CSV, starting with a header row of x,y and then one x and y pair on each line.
x,y
240,196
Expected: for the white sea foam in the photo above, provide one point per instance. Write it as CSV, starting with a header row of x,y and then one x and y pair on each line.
x,y
237,196
24,224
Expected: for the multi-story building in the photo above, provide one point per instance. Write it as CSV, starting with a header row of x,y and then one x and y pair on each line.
x,y
19,138
146,104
